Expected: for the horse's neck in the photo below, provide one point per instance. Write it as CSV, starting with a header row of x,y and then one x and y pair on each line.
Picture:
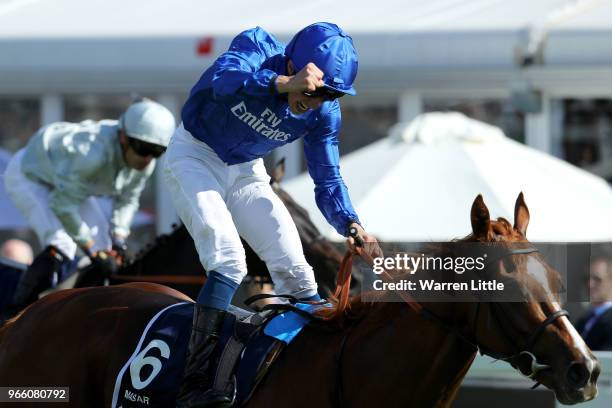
x,y
390,354
396,353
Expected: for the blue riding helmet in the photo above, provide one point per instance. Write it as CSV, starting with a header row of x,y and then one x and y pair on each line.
x,y
330,49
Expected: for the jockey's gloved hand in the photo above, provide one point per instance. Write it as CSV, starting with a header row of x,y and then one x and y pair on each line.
x,y
120,249
105,261
367,243
86,248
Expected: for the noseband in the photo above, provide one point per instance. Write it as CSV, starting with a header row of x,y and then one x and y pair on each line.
x,y
526,351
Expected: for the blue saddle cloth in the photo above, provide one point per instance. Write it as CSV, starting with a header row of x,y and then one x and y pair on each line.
x,y
152,375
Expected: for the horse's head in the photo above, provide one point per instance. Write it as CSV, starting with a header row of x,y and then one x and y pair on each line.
x,y
322,255
534,335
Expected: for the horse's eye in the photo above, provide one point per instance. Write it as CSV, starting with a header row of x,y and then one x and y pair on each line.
x,y
509,265
561,285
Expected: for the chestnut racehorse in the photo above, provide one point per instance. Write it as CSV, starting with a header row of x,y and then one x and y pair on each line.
x,y
364,355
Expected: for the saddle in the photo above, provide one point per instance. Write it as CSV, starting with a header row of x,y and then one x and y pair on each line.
x,y
249,344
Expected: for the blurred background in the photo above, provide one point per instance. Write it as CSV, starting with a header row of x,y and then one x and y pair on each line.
x,y
529,84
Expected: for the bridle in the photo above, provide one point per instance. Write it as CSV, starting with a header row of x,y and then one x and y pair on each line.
x,y
523,352
526,351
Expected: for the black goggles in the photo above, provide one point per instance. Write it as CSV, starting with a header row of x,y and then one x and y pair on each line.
x,y
145,149
326,93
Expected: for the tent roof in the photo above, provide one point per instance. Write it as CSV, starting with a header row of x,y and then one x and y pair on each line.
x,y
154,45
594,15
419,184
70,18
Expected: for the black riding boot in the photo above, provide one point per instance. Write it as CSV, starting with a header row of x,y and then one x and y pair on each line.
x,y
196,390
37,277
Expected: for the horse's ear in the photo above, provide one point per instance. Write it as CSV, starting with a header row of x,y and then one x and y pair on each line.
x,y
521,215
279,171
481,221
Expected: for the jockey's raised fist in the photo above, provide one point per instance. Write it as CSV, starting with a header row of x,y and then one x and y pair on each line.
x,y
308,79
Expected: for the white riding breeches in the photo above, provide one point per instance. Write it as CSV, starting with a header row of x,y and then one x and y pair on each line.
x,y
32,201
219,203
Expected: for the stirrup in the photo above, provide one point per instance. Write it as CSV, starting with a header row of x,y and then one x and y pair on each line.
x,y
210,398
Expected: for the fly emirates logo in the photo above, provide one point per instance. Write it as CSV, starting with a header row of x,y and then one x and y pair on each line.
x,y
265,124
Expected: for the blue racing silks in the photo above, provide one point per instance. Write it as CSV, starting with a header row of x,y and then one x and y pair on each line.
x,y
235,109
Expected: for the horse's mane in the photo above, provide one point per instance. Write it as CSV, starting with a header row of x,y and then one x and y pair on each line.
x,y
344,307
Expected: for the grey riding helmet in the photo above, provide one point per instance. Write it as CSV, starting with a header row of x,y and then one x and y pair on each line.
x,y
149,122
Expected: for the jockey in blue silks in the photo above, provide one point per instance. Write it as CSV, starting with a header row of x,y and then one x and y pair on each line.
x,y
257,96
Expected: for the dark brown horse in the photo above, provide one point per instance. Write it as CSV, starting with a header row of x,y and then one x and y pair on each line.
x,y
366,355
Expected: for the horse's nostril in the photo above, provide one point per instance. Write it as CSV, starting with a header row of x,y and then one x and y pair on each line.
x,y
595,373
578,375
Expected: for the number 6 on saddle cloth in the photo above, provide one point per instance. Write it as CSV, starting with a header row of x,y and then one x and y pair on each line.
x,y
249,344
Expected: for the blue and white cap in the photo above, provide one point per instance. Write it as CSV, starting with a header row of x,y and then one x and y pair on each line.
x,y
330,49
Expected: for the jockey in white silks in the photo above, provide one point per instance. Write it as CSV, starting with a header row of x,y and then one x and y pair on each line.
x,y
257,96
53,180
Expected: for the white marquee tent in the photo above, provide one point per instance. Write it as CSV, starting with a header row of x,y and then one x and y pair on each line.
x,y
419,184
411,51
